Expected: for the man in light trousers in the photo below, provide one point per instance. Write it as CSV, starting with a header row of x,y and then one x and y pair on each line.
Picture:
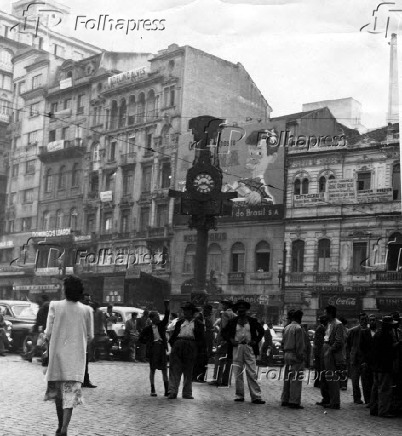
x,y
294,348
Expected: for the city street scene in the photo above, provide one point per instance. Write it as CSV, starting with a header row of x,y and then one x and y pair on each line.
x,y
200,218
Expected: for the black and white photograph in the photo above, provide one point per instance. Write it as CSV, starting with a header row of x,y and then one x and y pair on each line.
x,y
200,218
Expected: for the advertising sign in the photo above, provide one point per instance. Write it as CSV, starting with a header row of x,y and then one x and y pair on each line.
x,y
128,76
341,191
308,199
236,278
113,290
389,304
55,145
106,196
346,304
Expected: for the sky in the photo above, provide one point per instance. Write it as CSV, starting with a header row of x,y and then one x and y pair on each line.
x,y
296,51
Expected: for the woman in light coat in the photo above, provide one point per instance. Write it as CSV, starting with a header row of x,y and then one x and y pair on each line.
x,y
69,329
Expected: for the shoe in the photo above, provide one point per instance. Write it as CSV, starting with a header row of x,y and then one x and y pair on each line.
x,y
188,397
332,406
154,394
358,402
321,403
295,406
88,385
258,401
172,396
239,400
284,404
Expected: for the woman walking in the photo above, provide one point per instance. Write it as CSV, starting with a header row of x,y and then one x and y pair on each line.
x,y
69,329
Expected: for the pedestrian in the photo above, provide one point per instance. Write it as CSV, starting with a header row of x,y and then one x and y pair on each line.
x,y
132,335
355,357
244,334
99,333
3,337
186,340
366,350
109,319
333,359
38,329
201,366
318,344
224,353
86,300
142,322
154,336
294,346
344,367
383,361
69,329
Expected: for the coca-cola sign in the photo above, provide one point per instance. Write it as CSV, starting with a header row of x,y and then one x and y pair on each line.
x,y
346,304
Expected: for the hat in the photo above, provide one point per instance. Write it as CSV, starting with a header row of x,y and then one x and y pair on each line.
x,y
190,306
396,316
207,307
388,320
241,303
227,302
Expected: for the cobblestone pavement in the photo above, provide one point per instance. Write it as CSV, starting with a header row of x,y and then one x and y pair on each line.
x,y
121,406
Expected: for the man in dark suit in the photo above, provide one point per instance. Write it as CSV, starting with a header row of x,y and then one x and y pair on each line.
x,y
367,358
187,340
154,336
244,334
318,344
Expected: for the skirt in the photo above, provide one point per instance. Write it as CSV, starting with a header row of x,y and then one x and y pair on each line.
x,y
69,392
157,356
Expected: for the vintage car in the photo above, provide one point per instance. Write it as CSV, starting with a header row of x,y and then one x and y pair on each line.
x,y
22,315
122,314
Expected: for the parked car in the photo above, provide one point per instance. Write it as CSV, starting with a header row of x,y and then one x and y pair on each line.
x,y
277,350
22,315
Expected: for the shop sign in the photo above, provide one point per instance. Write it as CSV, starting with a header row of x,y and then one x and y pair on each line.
x,y
128,76
54,287
55,145
7,244
11,270
52,233
242,212
345,303
389,304
341,191
51,271
236,278
257,299
308,199
113,290
212,237
66,83
106,196
82,238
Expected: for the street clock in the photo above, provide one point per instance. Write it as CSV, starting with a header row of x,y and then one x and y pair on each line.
x,y
204,181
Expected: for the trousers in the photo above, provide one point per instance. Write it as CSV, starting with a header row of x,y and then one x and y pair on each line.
x,y
381,394
181,362
244,360
367,383
292,384
330,388
356,373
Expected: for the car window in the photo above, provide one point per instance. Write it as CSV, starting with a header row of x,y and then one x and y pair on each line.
x,y
279,333
118,316
25,311
5,311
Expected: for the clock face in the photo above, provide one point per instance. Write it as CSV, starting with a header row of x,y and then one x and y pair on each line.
x,y
204,183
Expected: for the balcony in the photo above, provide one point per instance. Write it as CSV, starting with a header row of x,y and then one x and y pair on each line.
x,y
93,195
128,159
124,235
105,236
126,199
61,150
330,277
389,277
110,164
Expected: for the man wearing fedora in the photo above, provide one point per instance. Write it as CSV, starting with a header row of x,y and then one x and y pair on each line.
x,y
244,334
187,340
383,360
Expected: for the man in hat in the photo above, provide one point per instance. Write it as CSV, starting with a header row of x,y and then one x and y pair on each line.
x,y
244,334
200,368
223,361
187,339
318,344
366,350
383,359
294,345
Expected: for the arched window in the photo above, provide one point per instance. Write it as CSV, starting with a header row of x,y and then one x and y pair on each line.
x,y
305,186
262,257
95,153
238,257
189,259
74,219
324,255
59,219
322,183
122,113
114,115
297,187
214,258
331,177
297,256
46,220
396,181
75,175
62,177
48,180
394,258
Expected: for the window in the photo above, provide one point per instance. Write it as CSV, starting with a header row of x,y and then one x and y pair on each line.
x,y
127,182
113,147
214,260
146,179
262,257
46,221
59,219
305,186
30,166
91,220
297,256
27,196
363,181
238,257
75,175
108,223
26,224
165,175
169,96
109,179
144,218
322,184
74,219
359,256
62,177
324,255
125,222
94,183
12,197
149,143
162,215
54,107
65,133
67,103
15,170
4,107
22,87
297,187
122,113
189,259
6,82
58,50
52,135
80,103
396,182
37,81
48,180
32,137
95,152
394,258
34,110
11,226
